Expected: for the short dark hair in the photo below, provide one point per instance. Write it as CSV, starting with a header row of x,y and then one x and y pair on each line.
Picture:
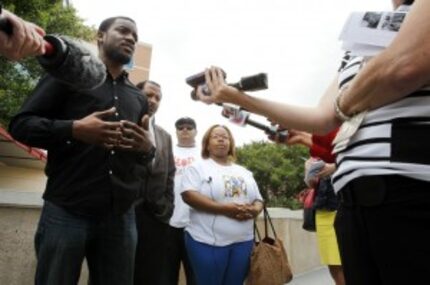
x,y
408,2
141,84
185,121
107,23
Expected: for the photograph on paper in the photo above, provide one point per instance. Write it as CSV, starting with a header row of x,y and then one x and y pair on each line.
x,y
370,32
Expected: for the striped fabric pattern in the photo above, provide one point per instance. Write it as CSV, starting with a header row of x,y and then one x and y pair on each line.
x,y
394,139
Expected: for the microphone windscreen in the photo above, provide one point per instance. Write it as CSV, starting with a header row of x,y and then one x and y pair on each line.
x,y
254,82
81,68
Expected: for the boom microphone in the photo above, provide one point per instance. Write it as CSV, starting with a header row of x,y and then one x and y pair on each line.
x,y
73,63
68,60
241,118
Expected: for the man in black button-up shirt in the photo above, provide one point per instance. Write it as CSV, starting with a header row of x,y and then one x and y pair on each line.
x,y
94,140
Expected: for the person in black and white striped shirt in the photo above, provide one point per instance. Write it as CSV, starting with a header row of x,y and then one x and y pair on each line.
x,y
383,175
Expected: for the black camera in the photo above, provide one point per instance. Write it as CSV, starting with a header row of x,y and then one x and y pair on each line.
x,y
249,83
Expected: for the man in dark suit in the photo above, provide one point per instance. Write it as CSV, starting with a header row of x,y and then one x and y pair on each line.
x,y
153,214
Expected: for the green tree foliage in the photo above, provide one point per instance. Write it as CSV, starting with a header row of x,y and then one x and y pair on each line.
x,y
18,79
278,170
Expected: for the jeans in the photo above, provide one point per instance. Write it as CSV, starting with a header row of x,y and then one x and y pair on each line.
x,y
63,240
219,265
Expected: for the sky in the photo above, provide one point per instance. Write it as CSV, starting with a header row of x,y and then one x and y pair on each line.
x,y
294,42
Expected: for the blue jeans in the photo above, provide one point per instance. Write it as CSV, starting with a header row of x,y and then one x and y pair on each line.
x,y
63,240
219,265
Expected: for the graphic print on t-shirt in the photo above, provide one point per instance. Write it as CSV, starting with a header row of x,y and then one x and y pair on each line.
x,y
181,163
234,187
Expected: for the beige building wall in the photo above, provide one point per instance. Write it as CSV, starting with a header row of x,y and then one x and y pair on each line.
x,y
22,179
142,63
21,192
18,224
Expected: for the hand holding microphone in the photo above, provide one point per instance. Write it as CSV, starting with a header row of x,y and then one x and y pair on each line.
x,y
210,86
27,40
66,59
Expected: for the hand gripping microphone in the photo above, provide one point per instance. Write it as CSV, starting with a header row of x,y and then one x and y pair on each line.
x,y
241,117
249,83
68,60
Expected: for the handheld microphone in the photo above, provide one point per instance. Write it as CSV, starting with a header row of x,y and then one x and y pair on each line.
x,y
68,60
252,83
241,117
249,83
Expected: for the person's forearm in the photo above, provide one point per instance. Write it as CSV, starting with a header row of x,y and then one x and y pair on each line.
x,y
399,70
40,132
318,119
202,203
307,140
258,206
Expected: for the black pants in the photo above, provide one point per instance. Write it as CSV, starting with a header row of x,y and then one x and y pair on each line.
x,y
151,251
383,231
177,254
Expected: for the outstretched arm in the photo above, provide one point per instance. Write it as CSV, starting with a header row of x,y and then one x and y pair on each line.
x,y
318,119
403,67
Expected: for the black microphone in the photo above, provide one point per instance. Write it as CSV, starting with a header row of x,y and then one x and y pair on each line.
x,y
249,83
252,83
68,60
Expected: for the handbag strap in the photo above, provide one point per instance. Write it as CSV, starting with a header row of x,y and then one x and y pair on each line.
x,y
257,236
268,219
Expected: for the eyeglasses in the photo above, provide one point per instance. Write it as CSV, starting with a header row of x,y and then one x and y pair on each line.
x,y
217,137
180,128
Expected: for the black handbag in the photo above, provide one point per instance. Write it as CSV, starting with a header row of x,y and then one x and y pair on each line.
x,y
309,210
326,198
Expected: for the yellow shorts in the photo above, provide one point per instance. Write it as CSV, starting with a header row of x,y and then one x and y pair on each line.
x,y
326,237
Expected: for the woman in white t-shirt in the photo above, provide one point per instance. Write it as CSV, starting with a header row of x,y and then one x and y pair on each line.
x,y
224,200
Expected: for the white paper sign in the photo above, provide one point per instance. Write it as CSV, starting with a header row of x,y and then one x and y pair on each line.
x,y
368,33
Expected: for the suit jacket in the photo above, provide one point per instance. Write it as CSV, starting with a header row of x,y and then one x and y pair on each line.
x,y
157,191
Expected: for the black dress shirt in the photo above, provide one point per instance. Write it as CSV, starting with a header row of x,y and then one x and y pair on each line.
x,y
83,178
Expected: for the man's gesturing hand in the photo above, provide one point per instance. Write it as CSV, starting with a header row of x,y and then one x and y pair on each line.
x,y
92,129
136,137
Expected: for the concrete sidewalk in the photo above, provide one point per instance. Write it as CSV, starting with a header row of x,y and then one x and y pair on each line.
x,y
320,276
